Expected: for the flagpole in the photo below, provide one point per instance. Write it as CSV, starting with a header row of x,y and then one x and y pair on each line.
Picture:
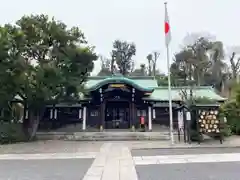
x,y
169,92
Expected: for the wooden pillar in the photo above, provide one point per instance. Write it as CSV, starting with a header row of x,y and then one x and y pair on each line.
x,y
79,113
149,118
55,113
133,117
84,118
133,114
130,114
102,111
102,116
51,114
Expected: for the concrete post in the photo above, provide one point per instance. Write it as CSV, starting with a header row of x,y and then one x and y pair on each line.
x,y
79,113
84,118
149,118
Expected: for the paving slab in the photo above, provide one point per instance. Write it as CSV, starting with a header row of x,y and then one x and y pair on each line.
x,y
50,146
114,161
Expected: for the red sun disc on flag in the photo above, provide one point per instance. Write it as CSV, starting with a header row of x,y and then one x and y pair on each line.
x,y
167,27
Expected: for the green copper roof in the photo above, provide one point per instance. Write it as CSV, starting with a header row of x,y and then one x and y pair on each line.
x,y
161,93
150,84
141,83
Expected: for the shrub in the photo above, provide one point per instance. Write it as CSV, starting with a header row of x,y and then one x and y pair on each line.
x,y
11,133
231,110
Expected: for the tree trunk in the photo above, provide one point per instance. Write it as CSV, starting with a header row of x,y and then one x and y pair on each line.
x,y
149,68
198,79
154,69
112,65
30,125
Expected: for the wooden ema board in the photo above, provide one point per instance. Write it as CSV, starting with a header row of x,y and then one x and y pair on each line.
x,y
209,122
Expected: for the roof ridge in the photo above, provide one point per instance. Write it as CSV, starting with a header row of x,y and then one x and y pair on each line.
x,y
127,77
185,87
120,79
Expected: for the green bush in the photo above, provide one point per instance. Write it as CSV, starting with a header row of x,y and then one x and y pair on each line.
x,y
11,133
226,131
231,110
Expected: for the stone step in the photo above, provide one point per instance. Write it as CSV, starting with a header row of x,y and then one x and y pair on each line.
x,y
106,136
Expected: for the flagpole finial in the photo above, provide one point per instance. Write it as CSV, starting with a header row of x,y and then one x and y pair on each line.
x,y
165,2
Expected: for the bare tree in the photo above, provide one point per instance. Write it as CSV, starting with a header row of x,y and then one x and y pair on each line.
x,y
235,66
150,59
154,65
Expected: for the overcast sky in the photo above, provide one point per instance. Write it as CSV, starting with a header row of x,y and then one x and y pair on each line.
x,y
138,21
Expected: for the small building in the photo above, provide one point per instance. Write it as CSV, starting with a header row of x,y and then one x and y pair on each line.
x,y
120,102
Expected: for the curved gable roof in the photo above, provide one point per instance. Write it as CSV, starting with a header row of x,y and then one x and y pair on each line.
x,y
118,79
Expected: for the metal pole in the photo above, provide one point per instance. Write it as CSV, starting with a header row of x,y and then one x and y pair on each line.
x,y
167,41
170,98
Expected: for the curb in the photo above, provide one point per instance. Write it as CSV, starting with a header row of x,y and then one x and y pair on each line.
x,y
190,147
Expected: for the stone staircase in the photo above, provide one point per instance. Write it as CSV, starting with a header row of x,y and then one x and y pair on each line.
x,y
105,136
74,133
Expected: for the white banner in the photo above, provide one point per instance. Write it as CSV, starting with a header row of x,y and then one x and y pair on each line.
x,y
180,120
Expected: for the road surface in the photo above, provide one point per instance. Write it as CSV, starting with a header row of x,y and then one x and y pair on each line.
x,y
43,169
188,164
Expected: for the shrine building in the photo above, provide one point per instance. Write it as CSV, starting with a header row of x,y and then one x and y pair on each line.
x,y
118,102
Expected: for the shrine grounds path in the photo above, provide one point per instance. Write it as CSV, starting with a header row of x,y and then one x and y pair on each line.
x,y
121,160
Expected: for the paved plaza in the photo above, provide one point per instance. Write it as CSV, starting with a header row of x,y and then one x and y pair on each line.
x,y
64,160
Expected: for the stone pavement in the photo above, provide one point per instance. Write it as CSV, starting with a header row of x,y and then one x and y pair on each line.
x,y
50,146
113,162
58,146
233,141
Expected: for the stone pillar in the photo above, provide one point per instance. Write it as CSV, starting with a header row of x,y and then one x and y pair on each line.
x,y
149,118
79,113
84,118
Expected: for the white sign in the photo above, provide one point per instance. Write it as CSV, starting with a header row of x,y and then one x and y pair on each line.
x,y
188,116
180,120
